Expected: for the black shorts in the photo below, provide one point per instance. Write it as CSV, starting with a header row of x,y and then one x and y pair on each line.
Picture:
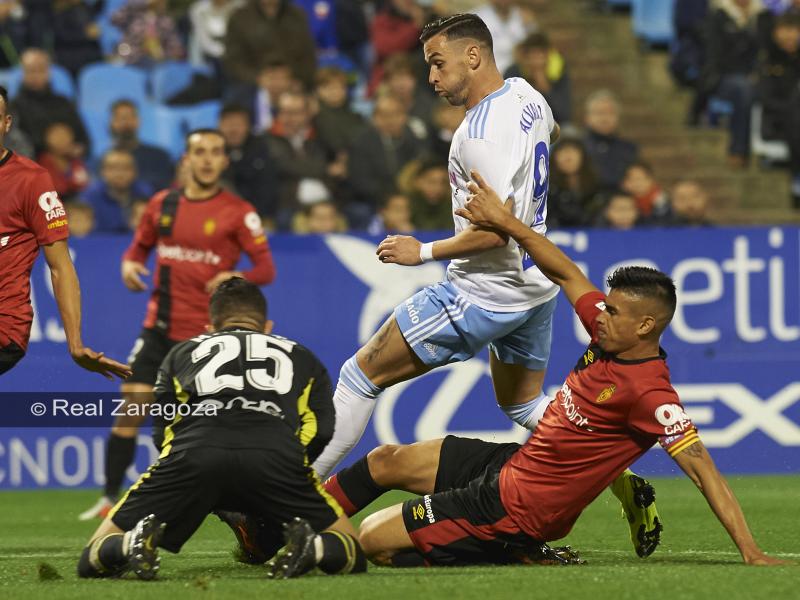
x,y
464,522
182,488
147,354
9,356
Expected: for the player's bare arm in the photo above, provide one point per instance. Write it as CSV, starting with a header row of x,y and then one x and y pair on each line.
x,y
68,296
699,466
132,273
405,249
485,209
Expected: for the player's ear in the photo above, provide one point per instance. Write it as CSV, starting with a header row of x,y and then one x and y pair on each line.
x,y
474,56
646,326
268,327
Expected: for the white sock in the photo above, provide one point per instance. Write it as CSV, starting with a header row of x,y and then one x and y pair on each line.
x,y
354,401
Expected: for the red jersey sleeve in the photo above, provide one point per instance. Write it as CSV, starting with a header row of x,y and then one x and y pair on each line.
x,y
660,413
146,234
44,212
588,307
252,239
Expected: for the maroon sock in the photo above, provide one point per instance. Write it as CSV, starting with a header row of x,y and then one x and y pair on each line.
x,y
353,487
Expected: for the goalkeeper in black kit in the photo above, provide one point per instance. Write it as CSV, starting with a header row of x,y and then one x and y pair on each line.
x,y
251,411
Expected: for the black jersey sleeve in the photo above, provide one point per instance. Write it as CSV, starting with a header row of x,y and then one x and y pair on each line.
x,y
316,412
164,393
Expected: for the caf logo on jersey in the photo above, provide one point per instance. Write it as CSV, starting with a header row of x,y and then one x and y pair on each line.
x,y
606,393
209,226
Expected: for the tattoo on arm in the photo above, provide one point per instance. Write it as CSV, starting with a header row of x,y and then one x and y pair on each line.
x,y
695,450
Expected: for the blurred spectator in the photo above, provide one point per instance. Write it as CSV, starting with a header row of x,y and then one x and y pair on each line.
x,y
794,148
18,141
731,52
75,35
149,34
153,164
352,32
610,153
250,171
378,155
394,29
689,204
573,199
509,25
446,119
651,200
273,78
12,32
544,68
209,21
394,216
298,153
687,50
269,29
321,218
337,123
620,212
779,75
81,219
113,195
36,105
428,186
38,23
400,81
61,158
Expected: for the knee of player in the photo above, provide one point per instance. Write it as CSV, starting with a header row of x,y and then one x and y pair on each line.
x,y
371,542
385,463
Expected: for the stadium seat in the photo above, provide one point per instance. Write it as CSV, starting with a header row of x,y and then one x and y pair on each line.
x,y
101,84
5,75
169,78
652,21
60,80
110,36
96,123
773,151
169,125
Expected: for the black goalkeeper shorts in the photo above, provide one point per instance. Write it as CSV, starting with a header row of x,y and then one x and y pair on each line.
x,y
464,522
182,488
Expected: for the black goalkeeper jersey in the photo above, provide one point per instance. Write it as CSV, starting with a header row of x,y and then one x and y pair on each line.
x,y
243,389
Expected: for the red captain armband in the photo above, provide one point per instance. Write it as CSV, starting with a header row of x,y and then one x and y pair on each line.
x,y
675,444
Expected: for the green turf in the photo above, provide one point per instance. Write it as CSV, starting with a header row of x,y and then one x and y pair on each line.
x,y
696,558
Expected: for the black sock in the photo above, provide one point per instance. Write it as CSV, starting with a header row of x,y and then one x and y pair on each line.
x,y
104,557
408,558
120,452
341,554
353,487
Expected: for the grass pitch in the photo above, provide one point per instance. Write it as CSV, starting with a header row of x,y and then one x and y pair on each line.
x,y
40,540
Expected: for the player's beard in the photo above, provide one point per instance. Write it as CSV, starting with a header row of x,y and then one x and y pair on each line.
x,y
205,185
457,96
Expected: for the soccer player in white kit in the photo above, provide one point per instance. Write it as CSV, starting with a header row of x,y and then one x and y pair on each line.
x,y
493,294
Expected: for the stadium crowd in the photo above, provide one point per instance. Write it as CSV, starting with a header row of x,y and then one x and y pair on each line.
x,y
328,117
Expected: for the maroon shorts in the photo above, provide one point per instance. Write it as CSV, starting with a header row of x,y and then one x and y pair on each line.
x,y
464,522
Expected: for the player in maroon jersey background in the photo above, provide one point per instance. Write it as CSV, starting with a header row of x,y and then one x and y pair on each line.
x,y
198,234
32,216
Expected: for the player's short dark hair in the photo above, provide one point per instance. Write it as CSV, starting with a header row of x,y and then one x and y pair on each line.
x,y
124,102
458,27
537,40
4,95
645,282
203,131
237,297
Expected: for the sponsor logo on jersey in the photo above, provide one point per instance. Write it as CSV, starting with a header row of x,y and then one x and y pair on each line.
x,y
52,206
4,240
419,512
57,224
253,222
588,357
428,509
530,114
192,255
673,418
606,394
430,348
165,220
570,409
209,227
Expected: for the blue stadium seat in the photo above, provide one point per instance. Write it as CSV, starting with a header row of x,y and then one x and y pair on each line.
x,y
169,125
169,78
60,81
110,36
101,84
652,21
96,123
5,75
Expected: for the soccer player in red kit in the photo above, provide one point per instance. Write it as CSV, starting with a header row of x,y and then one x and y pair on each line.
x,y
32,216
498,503
198,234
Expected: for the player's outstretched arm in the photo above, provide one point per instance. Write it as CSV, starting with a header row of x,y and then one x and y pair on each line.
x,y
699,466
485,209
68,296
409,251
